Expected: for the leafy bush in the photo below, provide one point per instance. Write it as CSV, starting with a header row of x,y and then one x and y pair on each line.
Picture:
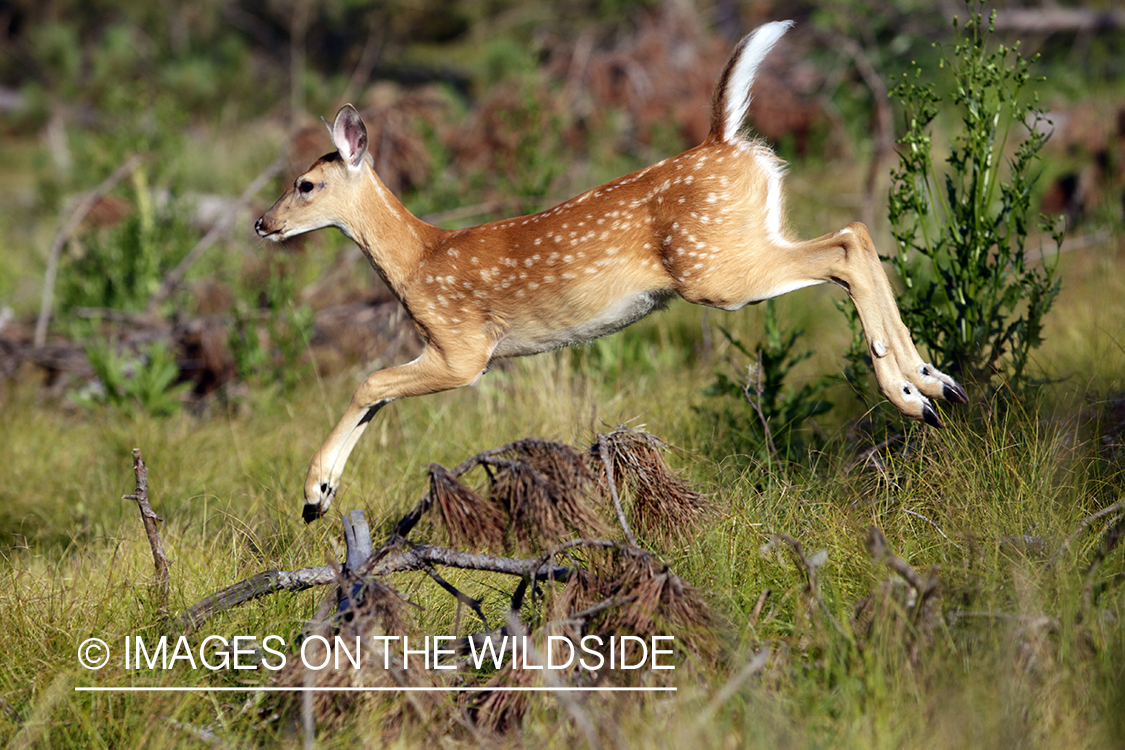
x,y
971,295
119,268
268,341
142,383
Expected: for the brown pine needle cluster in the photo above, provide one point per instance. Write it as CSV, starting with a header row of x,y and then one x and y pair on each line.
x,y
629,591
469,520
664,505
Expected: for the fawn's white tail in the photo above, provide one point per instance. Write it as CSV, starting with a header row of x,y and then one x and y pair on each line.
x,y
732,94
706,225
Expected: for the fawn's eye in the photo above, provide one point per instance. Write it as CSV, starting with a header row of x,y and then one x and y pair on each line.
x,y
305,186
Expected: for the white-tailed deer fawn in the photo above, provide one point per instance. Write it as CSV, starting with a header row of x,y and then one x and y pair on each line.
x,y
706,225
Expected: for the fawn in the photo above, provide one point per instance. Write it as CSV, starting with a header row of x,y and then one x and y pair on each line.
x,y
706,225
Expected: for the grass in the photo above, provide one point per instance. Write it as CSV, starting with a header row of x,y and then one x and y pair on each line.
x,y
1017,659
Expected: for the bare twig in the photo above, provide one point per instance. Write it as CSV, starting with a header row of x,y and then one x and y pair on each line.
x,y
149,518
868,453
64,234
916,514
808,566
884,123
728,690
759,605
925,588
585,614
462,598
877,546
1114,533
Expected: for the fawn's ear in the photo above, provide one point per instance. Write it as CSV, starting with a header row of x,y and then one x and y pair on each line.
x,y
349,134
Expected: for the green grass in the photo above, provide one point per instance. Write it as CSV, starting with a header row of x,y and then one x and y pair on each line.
x,y
77,565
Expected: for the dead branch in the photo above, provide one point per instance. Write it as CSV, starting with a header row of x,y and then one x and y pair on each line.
x,y
262,584
149,519
406,560
615,586
64,234
357,538
925,588
808,566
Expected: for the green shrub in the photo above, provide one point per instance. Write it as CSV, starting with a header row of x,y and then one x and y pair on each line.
x,y
777,423
144,383
971,295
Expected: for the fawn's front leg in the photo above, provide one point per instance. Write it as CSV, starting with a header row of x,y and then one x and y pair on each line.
x,y
431,372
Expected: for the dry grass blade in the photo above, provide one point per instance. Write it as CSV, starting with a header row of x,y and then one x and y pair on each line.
x,y
467,518
663,503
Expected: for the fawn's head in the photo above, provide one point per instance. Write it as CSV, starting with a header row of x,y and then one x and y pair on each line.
x,y
323,195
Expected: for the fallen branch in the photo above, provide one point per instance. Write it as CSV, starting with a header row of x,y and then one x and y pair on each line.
x,y
406,560
262,584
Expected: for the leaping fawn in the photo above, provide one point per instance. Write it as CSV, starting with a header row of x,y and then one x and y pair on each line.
x,y
707,225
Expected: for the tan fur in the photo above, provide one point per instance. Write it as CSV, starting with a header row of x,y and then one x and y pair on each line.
x,y
706,225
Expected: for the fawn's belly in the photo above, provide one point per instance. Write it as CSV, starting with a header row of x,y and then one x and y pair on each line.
x,y
556,329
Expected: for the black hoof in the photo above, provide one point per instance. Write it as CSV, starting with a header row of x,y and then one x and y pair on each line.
x,y
311,512
954,393
930,415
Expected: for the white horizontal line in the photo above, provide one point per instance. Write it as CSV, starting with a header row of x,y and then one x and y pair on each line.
x,y
274,689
